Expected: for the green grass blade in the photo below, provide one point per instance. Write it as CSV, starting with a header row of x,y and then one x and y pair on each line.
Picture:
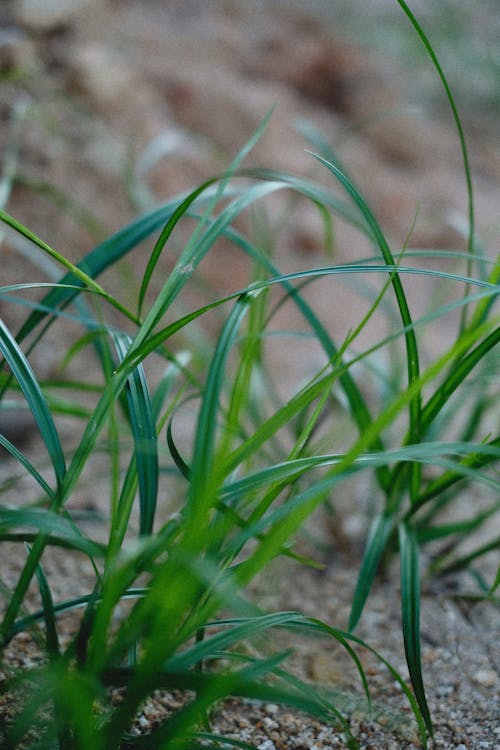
x,y
474,461
105,255
54,527
26,378
76,271
235,630
380,531
16,453
461,368
52,638
410,607
412,356
140,413
458,123
165,234
463,562
185,205
203,478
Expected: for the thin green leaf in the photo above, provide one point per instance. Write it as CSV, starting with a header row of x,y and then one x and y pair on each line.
x,y
16,453
412,355
410,609
378,536
203,471
144,434
55,527
26,378
48,613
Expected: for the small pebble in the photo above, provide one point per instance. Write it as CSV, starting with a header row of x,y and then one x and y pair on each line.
x,y
485,677
271,708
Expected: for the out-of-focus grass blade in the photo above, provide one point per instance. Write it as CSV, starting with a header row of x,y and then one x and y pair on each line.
x,y
378,536
457,375
465,560
143,427
98,260
210,688
26,378
76,271
57,528
28,466
496,583
440,531
165,233
177,367
410,609
458,123
63,200
184,206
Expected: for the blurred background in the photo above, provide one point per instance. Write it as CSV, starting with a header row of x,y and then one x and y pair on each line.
x,y
110,107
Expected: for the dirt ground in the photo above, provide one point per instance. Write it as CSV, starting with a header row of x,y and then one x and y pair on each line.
x,y
109,107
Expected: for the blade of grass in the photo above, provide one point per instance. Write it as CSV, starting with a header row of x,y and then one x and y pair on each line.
x,y
410,608
26,378
380,531
142,423
412,356
52,638
203,475
461,136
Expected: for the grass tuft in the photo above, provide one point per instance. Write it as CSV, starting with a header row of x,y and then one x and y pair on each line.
x,y
191,515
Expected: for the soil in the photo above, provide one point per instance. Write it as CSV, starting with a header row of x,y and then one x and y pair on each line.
x,y
109,108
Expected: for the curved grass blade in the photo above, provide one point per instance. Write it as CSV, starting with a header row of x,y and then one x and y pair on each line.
x,y
182,209
235,630
210,688
380,531
56,529
463,562
461,368
26,378
140,413
410,609
476,460
412,356
203,481
76,271
52,638
16,453
105,255
177,458
458,123
165,234
78,603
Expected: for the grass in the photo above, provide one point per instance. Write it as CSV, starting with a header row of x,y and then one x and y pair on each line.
x,y
256,468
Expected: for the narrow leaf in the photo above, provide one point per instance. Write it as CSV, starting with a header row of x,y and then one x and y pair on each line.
x,y
410,609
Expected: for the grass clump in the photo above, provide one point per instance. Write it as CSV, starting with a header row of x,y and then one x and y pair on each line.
x,y
167,608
